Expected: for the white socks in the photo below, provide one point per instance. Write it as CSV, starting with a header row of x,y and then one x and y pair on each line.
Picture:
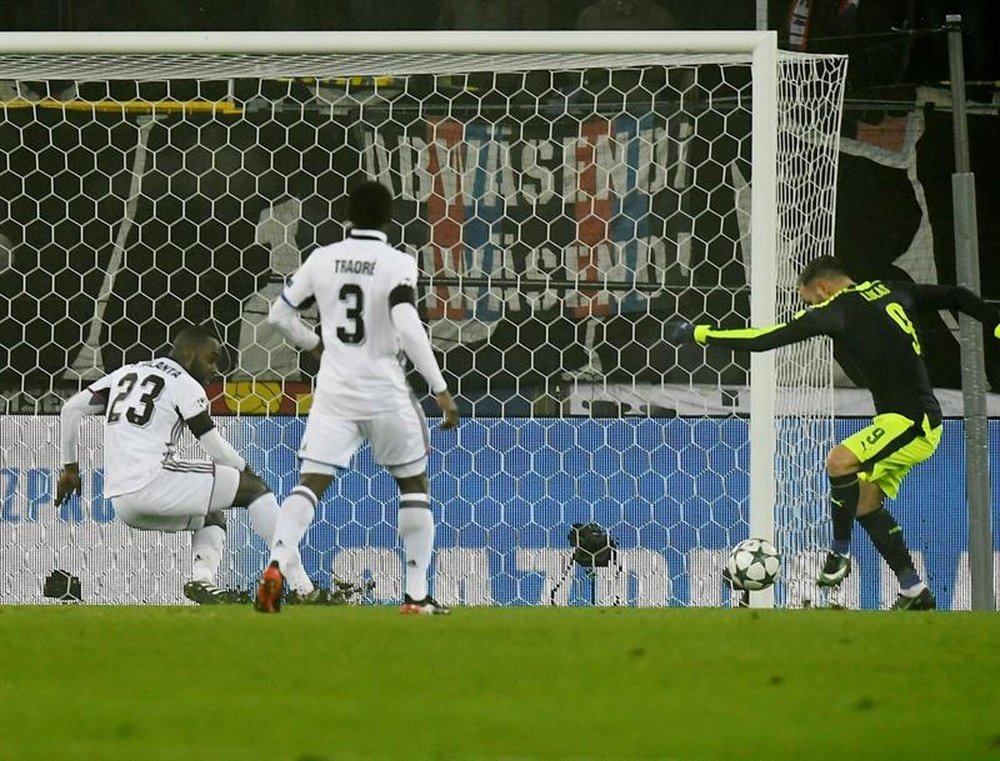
x,y
206,552
297,511
416,530
264,514
266,520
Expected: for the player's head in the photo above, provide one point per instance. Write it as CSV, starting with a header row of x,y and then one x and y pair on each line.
x,y
822,278
370,206
198,351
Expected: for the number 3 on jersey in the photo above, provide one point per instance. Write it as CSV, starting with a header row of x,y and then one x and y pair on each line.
x,y
353,331
898,315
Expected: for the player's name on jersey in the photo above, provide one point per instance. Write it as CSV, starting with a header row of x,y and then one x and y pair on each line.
x,y
355,266
164,367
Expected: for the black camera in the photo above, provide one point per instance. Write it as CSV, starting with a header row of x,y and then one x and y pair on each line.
x,y
62,585
592,546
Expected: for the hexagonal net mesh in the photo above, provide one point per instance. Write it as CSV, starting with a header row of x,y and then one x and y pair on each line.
x,y
561,209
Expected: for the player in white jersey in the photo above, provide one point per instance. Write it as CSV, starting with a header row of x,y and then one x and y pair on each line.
x,y
365,292
146,406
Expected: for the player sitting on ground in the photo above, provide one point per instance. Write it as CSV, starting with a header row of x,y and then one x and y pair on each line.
x,y
145,407
872,322
366,294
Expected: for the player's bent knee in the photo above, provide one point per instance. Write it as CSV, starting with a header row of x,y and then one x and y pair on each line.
x,y
417,484
842,461
870,498
216,518
250,488
317,483
252,484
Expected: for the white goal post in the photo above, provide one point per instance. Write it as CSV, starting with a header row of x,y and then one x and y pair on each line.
x,y
779,171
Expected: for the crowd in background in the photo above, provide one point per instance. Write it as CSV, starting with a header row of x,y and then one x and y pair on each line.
x,y
890,41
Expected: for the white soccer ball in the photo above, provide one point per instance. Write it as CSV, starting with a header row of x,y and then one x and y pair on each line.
x,y
754,564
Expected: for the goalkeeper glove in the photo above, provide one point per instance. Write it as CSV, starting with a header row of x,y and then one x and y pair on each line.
x,y
678,332
996,330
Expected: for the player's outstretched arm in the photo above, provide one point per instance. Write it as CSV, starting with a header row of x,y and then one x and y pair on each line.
x,y
806,324
82,403
956,299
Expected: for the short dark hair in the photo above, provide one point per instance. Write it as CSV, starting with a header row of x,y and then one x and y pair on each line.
x,y
192,334
370,206
823,266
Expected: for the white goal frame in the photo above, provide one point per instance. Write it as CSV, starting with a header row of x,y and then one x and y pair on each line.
x,y
759,47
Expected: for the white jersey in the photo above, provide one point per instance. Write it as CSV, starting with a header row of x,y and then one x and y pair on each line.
x,y
361,373
148,403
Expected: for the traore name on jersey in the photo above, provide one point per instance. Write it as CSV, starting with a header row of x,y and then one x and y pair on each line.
x,y
355,266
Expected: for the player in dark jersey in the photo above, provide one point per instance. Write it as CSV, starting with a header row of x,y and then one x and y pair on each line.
x,y
871,322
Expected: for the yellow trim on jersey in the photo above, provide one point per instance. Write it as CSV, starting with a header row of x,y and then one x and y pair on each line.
x,y
702,333
709,332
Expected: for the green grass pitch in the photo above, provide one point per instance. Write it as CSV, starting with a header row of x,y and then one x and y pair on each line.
x,y
319,684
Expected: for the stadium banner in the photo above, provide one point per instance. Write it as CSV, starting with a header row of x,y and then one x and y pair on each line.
x,y
200,215
502,533
228,205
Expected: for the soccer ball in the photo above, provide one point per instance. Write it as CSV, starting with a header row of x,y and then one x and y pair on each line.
x,y
753,564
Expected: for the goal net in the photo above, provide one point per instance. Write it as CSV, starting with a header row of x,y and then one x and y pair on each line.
x,y
563,200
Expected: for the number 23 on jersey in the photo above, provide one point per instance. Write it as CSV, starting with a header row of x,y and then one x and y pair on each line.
x,y
139,412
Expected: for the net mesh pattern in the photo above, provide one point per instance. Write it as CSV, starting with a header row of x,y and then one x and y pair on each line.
x,y
561,210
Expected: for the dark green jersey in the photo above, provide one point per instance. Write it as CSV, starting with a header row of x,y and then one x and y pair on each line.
x,y
873,323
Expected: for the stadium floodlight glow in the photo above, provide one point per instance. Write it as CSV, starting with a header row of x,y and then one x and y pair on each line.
x,y
564,192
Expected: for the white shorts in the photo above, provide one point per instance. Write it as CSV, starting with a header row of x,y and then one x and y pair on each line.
x,y
180,496
399,442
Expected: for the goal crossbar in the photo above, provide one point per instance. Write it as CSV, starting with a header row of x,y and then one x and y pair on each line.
x,y
224,55
361,43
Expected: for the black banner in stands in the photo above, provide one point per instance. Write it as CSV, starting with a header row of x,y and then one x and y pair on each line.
x,y
122,224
